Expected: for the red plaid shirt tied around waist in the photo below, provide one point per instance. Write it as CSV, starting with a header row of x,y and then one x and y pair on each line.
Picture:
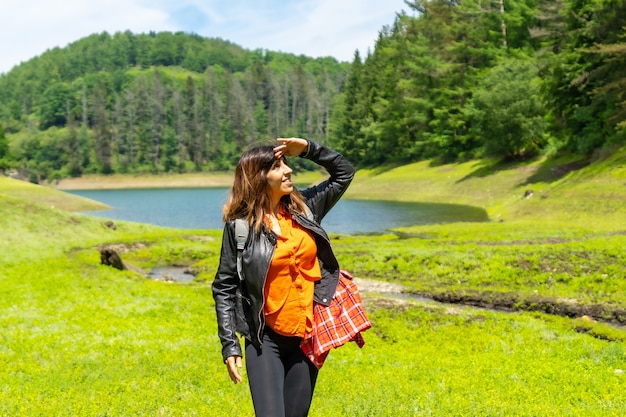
x,y
339,323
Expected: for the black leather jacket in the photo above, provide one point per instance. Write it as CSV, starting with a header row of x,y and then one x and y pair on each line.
x,y
244,314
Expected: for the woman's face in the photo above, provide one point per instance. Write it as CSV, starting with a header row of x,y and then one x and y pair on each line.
x,y
279,179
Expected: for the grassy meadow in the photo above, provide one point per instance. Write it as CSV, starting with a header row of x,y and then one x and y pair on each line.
x,y
547,276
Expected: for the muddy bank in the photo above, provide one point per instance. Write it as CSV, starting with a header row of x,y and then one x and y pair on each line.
x,y
116,182
512,302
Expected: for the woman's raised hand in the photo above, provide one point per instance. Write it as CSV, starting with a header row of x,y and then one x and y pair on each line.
x,y
290,147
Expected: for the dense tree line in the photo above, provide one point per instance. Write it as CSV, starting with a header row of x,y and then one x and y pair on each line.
x,y
158,102
509,78
449,80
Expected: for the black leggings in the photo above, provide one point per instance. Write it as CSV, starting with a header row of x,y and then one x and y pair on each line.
x,y
281,377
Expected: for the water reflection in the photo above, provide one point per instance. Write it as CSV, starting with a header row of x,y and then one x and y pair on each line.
x,y
361,216
171,273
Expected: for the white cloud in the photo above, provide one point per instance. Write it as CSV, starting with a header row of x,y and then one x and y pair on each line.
x,y
336,28
30,27
315,28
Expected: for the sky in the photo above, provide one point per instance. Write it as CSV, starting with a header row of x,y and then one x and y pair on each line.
x,y
310,27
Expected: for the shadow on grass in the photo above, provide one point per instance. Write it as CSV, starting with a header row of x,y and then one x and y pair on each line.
x,y
549,171
491,167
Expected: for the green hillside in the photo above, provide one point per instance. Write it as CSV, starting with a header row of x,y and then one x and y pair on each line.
x,y
566,190
46,196
81,338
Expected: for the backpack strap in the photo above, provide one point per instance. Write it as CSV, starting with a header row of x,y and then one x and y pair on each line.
x,y
308,213
241,235
242,228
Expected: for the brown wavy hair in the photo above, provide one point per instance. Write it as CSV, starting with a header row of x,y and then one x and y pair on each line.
x,y
249,196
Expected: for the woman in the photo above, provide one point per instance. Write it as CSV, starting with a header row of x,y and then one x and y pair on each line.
x,y
287,264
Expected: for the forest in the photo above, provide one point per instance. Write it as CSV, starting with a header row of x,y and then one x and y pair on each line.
x,y
446,81
158,102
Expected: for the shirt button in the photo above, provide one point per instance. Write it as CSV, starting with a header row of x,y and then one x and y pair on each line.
x,y
325,300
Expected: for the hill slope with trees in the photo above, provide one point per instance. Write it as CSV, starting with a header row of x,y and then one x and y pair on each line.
x,y
451,81
157,102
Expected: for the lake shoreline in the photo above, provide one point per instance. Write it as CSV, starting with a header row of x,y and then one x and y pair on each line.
x,y
119,181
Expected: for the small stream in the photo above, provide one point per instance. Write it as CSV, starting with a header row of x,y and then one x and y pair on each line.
x,y
171,274
386,289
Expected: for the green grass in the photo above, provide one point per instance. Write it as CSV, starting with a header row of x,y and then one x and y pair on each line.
x,y
84,339
46,196
438,361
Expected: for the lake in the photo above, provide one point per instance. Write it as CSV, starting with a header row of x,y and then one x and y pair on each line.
x,y
201,208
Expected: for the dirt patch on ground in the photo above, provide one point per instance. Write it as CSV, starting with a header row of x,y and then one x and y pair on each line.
x,y
373,286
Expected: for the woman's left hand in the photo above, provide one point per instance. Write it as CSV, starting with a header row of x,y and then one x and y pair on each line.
x,y
290,147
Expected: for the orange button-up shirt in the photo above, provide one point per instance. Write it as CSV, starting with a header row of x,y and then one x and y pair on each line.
x,y
291,280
